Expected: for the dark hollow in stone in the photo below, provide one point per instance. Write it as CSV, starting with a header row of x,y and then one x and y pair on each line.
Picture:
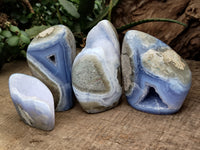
x,y
152,99
52,58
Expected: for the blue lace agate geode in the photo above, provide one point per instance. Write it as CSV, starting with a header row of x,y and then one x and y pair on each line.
x,y
50,56
33,101
156,79
96,70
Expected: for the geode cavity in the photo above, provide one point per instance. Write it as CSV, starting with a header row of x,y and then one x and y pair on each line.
x,y
156,79
50,56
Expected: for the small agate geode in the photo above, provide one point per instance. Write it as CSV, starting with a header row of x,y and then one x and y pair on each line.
x,y
33,101
50,56
156,79
96,70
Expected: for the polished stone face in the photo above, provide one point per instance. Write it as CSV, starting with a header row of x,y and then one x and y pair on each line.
x,y
156,79
96,70
50,56
33,101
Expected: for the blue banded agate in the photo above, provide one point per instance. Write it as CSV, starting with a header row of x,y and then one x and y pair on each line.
x,y
50,56
156,79
96,70
33,101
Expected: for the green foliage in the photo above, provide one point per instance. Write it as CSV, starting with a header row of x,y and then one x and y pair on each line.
x,y
22,15
79,15
14,29
103,12
49,13
45,13
24,39
70,8
13,43
6,33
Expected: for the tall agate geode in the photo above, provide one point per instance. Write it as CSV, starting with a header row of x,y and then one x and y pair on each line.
x,y
156,79
33,101
50,56
96,70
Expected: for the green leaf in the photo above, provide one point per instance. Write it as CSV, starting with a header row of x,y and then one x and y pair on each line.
x,y
6,33
52,8
2,58
30,15
0,30
53,21
100,16
70,8
75,1
1,37
23,53
49,12
35,30
24,39
45,2
13,41
24,33
14,29
38,4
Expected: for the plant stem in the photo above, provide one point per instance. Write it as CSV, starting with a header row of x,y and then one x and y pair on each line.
x,y
59,16
101,16
110,10
28,4
132,24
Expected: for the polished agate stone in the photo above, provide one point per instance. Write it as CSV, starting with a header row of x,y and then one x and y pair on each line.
x,y
96,70
33,101
50,56
156,79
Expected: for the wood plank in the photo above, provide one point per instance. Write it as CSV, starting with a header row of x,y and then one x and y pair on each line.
x,y
121,128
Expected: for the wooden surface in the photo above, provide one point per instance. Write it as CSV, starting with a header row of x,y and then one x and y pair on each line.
x,y
121,128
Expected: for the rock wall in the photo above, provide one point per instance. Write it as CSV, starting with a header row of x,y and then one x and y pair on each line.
x,y
186,41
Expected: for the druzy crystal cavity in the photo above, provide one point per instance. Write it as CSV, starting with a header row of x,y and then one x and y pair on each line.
x,y
50,56
96,70
156,79
33,101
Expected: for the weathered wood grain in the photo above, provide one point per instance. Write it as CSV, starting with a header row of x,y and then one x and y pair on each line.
x,y
186,41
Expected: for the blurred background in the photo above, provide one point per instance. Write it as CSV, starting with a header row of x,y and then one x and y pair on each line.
x,y
186,41
22,20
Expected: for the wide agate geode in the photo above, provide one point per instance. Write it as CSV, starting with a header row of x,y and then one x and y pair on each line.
x,y
156,79
96,70
50,56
